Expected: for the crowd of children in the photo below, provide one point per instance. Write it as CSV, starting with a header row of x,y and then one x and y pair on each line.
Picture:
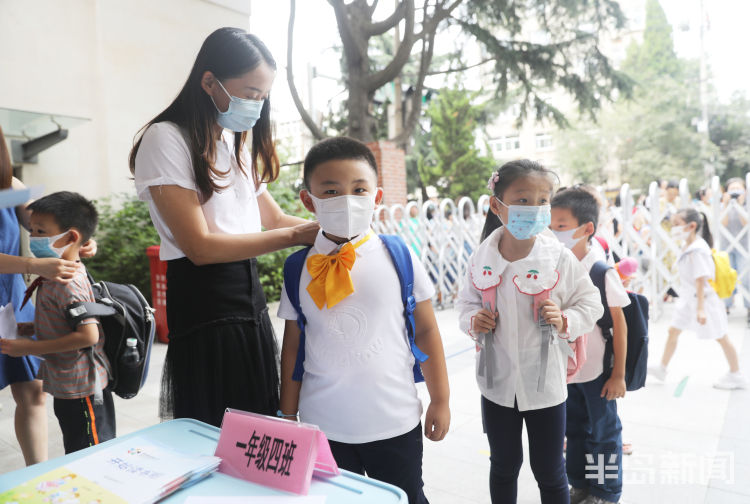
x,y
531,301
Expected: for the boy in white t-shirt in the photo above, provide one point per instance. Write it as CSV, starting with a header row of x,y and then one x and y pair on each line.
x,y
593,426
358,384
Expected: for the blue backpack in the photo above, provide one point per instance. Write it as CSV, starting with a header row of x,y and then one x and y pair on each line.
x,y
402,261
636,318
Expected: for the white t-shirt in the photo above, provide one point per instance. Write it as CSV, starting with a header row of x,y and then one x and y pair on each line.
x,y
517,338
358,384
164,159
616,296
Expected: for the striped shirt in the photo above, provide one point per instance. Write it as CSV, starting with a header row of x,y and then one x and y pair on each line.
x,y
68,375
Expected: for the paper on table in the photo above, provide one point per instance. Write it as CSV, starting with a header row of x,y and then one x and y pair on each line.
x,y
14,197
8,326
266,499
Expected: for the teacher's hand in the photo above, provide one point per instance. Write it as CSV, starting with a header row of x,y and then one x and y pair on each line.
x,y
304,234
58,270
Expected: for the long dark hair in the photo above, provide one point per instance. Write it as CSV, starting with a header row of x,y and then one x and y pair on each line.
x,y
701,221
227,53
6,166
506,175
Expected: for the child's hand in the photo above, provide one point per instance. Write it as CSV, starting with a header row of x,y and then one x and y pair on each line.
x,y
701,315
16,348
614,388
437,420
552,314
25,329
483,321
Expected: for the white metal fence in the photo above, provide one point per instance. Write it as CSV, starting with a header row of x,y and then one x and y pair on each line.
x,y
444,234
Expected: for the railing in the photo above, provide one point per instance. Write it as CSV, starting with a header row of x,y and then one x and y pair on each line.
x,y
443,235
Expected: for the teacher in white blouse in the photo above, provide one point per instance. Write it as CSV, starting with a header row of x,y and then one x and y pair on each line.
x,y
208,200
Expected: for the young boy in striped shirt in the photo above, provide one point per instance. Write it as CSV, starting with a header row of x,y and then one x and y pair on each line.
x,y
75,369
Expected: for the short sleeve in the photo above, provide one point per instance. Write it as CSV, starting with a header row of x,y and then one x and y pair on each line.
x,y
163,159
77,290
701,264
614,290
286,311
423,287
261,190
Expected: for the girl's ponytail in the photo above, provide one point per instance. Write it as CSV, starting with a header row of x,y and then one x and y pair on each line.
x,y
491,223
504,177
701,221
706,232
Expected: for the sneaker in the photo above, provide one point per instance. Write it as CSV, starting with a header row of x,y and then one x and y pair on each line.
x,y
731,381
658,371
577,495
596,500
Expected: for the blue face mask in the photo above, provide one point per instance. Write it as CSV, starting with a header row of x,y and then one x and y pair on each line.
x,y
525,222
42,246
241,115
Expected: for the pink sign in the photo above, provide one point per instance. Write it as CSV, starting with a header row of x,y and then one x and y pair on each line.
x,y
273,451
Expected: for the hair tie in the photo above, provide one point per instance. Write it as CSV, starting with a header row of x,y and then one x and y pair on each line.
x,y
492,181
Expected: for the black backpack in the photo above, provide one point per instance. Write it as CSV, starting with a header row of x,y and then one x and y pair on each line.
x,y
636,318
123,313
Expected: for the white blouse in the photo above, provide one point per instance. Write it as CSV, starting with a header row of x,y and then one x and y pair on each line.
x,y
517,339
164,159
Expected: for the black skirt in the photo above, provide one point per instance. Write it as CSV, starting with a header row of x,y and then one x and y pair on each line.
x,y
222,351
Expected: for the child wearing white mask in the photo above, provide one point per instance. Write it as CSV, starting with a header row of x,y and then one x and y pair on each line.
x,y
355,349
593,425
699,308
524,298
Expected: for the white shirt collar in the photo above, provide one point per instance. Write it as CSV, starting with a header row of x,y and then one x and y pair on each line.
x,y
326,246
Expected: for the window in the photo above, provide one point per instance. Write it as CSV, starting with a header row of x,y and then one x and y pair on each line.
x,y
543,141
505,144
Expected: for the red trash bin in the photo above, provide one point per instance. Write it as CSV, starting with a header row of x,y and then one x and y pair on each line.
x,y
159,292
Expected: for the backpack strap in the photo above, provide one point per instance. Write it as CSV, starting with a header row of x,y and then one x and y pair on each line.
x,y
292,272
598,275
82,310
405,269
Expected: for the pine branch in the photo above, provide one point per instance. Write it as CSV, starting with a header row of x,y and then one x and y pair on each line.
x,y
378,79
379,28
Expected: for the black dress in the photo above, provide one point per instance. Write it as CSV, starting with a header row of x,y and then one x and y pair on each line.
x,y
222,350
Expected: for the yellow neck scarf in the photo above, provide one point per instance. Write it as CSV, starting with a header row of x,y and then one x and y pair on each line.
x,y
331,278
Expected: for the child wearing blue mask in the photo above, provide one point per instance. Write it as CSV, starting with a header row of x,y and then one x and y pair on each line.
x,y
75,369
525,297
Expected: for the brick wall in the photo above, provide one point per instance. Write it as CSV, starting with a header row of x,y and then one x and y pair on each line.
x,y
391,171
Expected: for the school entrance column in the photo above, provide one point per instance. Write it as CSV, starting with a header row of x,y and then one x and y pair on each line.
x,y
391,171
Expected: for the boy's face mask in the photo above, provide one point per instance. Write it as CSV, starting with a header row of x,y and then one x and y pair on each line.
x,y
344,216
525,222
43,246
566,237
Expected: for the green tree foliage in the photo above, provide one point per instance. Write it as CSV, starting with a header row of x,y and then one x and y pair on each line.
x,y
651,136
285,190
124,232
730,131
562,54
455,167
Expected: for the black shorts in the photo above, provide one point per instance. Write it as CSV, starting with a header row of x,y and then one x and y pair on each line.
x,y
84,423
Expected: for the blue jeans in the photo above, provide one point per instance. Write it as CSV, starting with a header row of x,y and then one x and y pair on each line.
x,y
737,261
594,436
545,428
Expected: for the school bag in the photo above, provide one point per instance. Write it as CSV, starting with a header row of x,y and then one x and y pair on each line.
x,y
401,258
726,276
123,313
636,319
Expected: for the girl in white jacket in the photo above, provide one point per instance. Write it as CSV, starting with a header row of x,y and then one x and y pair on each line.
x,y
525,298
